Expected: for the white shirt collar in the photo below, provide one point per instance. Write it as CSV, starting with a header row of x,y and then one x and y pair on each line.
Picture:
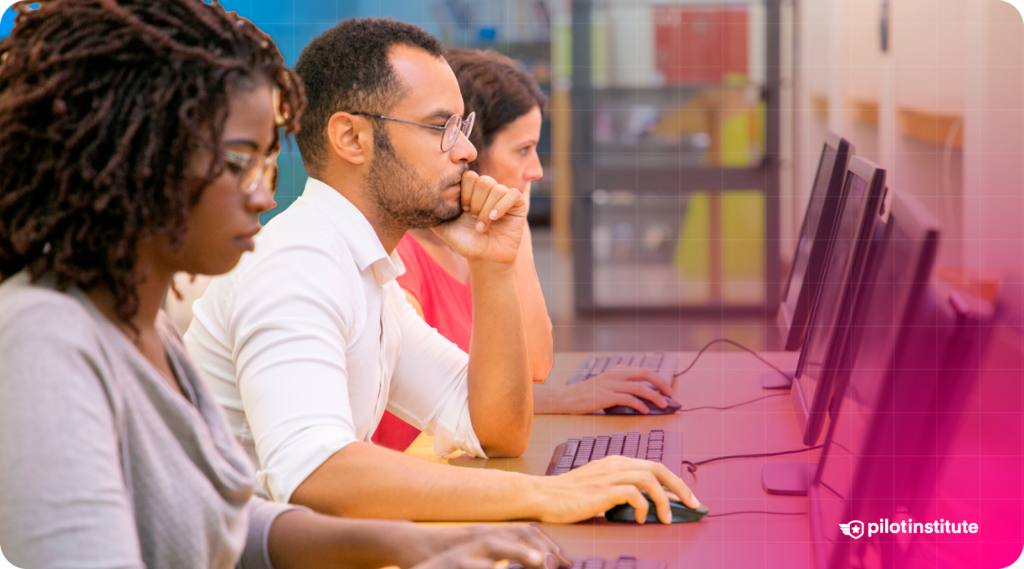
x,y
355,229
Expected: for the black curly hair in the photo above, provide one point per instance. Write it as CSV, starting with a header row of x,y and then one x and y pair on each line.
x,y
102,103
347,69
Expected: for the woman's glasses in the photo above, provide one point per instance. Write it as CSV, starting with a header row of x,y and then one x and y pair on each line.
x,y
449,132
251,169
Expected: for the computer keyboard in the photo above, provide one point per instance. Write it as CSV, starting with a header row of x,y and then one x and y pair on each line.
x,y
625,561
655,446
661,363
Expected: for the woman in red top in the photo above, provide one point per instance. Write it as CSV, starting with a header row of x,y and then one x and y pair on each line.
x,y
508,104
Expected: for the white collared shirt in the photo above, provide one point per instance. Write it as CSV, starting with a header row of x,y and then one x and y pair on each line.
x,y
309,339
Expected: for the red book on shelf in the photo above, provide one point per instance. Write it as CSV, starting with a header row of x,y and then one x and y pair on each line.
x,y
700,45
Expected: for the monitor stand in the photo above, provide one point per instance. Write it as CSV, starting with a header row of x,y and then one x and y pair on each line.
x,y
775,380
787,479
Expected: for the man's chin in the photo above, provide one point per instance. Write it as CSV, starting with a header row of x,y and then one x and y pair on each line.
x,y
438,217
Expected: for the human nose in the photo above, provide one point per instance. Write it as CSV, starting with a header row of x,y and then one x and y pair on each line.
x,y
534,170
262,198
462,150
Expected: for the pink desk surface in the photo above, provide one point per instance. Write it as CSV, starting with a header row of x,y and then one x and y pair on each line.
x,y
748,540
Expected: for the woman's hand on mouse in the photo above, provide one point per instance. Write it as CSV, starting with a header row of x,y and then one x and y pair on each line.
x,y
480,547
599,486
618,386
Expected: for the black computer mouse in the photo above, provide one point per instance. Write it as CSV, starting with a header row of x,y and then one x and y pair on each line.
x,y
672,407
624,513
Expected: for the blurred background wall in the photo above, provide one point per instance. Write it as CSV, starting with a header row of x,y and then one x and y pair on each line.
x,y
681,139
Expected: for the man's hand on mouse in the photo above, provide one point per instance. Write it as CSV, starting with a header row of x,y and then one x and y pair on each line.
x,y
620,385
601,485
492,221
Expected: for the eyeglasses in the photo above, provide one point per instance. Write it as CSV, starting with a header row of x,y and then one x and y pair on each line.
x,y
450,130
251,170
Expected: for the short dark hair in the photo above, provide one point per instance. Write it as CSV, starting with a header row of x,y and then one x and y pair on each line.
x,y
496,88
102,105
347,68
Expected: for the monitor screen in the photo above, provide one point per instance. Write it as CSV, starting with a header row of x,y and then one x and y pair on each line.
x,y
812,246
810,227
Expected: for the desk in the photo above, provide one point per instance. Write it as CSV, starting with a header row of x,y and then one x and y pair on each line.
x,y
717,379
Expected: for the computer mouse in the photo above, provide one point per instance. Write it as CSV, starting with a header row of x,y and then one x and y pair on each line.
x,y
672,407
624,513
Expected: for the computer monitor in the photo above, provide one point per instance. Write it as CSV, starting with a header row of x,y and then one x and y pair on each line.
x,y
858,224
895,365
809,258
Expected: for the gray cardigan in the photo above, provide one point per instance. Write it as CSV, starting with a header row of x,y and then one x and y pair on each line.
x,y
102,464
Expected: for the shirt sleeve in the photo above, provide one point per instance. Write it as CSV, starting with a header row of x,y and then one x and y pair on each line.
x,y
64,502
430,388
262,514
289,337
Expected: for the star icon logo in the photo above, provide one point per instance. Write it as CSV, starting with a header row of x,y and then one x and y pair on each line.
x,y
854,529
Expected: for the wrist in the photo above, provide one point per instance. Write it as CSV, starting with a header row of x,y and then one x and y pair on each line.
x,y
491,269
537,498
412,544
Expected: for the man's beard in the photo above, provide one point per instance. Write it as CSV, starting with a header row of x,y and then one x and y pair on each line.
x,y
404,197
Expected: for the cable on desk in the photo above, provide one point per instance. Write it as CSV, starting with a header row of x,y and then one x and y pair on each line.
x,y
692,466
734,405
723,514
738,345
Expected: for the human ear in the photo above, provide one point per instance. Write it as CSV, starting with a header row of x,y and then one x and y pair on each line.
x,y
349,137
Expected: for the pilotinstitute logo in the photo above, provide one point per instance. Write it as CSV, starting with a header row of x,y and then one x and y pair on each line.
x,y
855,529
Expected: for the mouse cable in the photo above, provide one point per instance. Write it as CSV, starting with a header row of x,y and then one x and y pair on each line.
x,y
723,514
692,466
733,343
734,405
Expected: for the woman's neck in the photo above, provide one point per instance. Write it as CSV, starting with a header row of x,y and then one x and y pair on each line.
x,y
151,288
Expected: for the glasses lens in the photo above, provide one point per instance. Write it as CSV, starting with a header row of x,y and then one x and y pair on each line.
x,y
451,133
467,125
251,178
265,171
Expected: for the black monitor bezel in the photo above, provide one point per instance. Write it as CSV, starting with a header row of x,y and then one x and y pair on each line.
x,y
923,229
814,413
792,320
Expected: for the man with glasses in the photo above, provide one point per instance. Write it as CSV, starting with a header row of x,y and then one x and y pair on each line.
x,y
310,338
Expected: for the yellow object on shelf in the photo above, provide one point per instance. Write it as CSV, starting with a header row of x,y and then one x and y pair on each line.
x,y
743,230
692,256
740,246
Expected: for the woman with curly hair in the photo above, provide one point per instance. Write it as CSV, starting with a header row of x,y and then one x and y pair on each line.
x,y
139,139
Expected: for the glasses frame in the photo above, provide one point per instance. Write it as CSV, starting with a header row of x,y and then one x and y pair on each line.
x,y
245,162
461,125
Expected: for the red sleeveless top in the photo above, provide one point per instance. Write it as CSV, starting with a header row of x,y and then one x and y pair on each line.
x,y
447,306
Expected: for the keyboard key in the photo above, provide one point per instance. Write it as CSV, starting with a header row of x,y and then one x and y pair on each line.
x,y
584,452
582,371
570,447
594,562
655,446
601,448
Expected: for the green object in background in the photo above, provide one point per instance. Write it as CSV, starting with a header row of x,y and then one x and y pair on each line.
x,y
561,47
